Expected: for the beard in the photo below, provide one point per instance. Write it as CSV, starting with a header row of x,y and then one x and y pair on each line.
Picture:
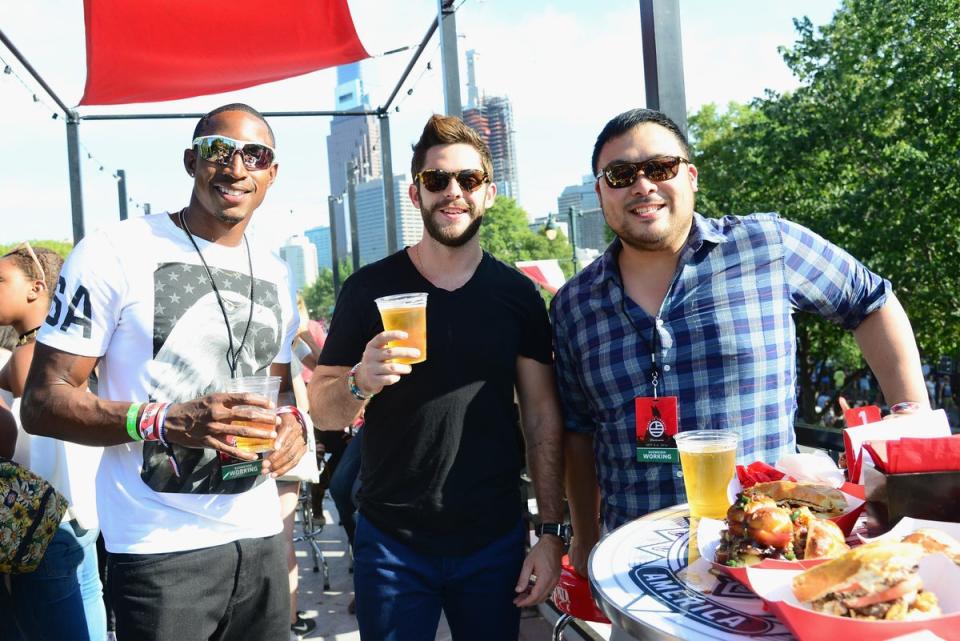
x,y
649,238
446,235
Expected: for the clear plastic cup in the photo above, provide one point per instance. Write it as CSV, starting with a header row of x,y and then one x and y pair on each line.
x,y
708,459
406,312
268,386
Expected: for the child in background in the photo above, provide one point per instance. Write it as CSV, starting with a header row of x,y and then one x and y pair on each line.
x,y
67,582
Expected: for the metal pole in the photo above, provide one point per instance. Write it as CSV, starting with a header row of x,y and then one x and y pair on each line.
x,y
449,58
663,59
574,214
413,61
36,76
73,164
389,195
352,211
334,257
192,116
122,193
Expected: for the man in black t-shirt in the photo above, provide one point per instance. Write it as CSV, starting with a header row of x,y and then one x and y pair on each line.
x,y
440,522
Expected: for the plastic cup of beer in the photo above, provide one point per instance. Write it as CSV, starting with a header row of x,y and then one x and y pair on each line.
x,y
268,386
708,459
406,312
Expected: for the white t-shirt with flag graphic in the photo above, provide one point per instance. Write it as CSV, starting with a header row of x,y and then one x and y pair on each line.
x,y
137,296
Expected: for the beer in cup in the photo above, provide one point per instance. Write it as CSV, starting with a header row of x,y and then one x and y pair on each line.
x,y
406,312
268,386
708,459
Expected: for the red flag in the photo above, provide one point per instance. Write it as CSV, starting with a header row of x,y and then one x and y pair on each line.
x,y
155,50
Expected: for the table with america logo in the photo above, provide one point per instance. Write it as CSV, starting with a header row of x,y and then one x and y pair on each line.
x,y
648,578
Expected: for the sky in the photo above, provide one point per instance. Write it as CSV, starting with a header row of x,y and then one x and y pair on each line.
x,y
567,66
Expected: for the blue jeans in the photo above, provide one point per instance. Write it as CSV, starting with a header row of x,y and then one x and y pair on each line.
x,y
63,598
401,592
342,484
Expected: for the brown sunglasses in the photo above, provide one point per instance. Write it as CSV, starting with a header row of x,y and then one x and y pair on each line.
x,y
623,174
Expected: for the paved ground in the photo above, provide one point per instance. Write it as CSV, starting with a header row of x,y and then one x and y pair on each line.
x,y
329,608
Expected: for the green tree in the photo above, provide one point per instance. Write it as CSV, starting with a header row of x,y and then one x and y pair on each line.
x,y
865,153
507,235
62,247
319,297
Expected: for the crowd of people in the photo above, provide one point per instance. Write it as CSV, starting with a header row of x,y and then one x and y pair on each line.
x,y
122,354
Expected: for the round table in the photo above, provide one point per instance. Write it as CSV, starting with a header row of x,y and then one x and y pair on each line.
x,y
648,578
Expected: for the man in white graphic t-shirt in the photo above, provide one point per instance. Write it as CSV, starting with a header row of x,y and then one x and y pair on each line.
x,y
169,308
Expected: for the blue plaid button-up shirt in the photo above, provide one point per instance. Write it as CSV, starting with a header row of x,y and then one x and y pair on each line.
x,y
727,346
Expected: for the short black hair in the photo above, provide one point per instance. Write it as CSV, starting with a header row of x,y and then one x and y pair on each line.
x,y
626,121
204,122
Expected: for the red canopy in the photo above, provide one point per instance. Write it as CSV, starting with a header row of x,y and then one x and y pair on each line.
x,y
155,50
545,273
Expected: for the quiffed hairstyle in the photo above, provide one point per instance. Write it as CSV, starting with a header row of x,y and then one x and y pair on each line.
x,y
626,121
204,122
449,130
50,260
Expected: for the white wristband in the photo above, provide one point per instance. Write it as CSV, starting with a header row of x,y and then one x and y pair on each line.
x,y
300,349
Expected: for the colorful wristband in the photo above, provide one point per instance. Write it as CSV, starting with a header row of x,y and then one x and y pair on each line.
x,y
148,422
161,424
354,388
292,409
132,412
905,407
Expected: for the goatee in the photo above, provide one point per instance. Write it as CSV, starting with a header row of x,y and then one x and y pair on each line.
x,y
441,235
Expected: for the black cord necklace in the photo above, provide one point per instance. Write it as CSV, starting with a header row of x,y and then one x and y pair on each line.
x,y
232,356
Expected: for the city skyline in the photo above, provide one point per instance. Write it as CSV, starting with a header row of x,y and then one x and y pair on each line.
x,y
353,145
563,65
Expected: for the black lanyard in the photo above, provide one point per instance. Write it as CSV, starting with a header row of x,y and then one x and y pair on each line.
x,y
655,374
654,348
232,356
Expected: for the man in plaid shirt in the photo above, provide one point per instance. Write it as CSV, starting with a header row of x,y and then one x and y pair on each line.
x,y
713,300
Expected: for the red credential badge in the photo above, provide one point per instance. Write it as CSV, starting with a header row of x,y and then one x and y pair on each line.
x,y
656,427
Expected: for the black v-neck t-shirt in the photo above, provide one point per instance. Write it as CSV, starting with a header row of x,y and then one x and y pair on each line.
x,y
442,452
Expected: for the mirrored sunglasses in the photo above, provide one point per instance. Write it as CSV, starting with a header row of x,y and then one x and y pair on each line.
x,y
624,174
221,149
437,179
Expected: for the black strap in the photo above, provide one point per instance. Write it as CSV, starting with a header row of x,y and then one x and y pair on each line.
x,y
654,349
655,374
233,357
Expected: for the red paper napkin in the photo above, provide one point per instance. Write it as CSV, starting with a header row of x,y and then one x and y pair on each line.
x,y
757,472
908,455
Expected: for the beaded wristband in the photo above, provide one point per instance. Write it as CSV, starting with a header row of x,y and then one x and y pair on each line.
x,y
905,407
354,388
132,412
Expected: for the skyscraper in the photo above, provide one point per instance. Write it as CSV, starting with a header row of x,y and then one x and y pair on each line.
x,y
352,139
591,225
371,218
320,238
301,258
492,118
473,69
